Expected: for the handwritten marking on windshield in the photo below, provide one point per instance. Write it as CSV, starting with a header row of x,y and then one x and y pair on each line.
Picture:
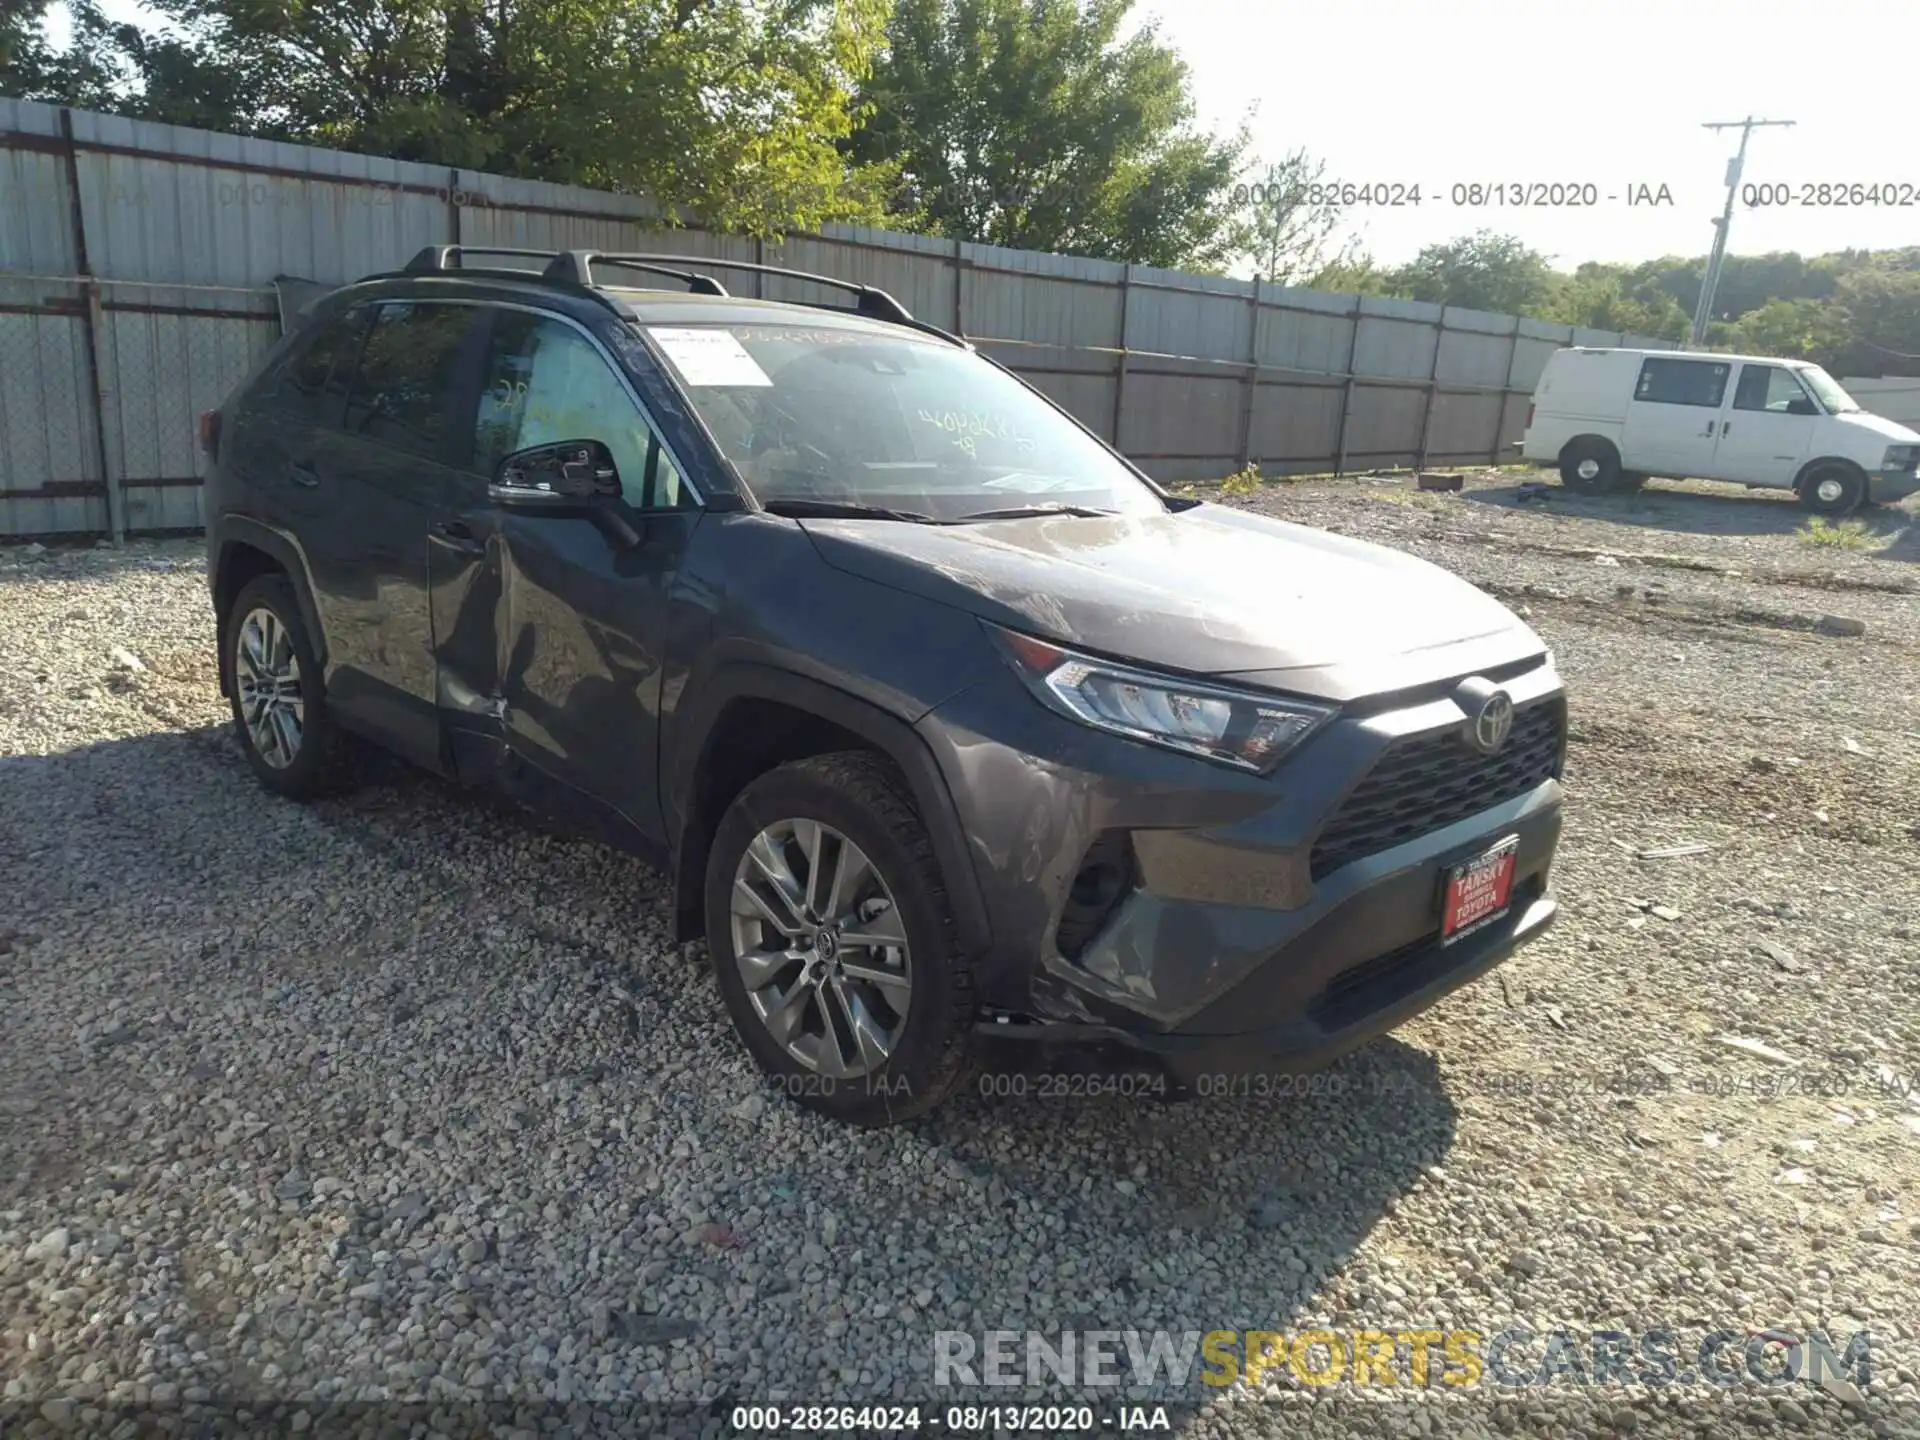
x,y
967,427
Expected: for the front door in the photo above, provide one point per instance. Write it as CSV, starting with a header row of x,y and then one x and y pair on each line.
x,y
549,635
1673,420
1767,432
388,464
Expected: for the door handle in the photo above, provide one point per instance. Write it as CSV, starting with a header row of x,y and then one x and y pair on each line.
x,y
1726,427
302,474
455,535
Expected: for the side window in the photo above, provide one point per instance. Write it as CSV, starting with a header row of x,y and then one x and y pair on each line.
x,y
1683,382
403,391
544,382
1767,387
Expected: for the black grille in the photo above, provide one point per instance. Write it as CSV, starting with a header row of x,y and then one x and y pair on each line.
x,y
1426,782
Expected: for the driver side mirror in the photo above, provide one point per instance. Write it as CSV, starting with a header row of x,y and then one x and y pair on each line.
x,y
555,478
1802,406
575,478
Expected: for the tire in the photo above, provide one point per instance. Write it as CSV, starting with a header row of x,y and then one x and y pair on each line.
x,y
1590,466
313,757
796,1018
1833,488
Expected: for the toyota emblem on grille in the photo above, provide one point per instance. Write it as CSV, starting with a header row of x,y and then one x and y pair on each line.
x,y
1493,723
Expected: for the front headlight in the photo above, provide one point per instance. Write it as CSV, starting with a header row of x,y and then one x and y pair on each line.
x,y
1902,457
1241,728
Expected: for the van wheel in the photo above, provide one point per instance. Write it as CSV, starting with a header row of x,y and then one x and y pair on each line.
x,y
1833,489
833,942
1590,466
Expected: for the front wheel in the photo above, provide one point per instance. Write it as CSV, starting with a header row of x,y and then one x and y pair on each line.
x,y
1833,490
833,942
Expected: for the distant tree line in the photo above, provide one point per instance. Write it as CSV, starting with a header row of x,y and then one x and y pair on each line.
x,y
1856,312
1057,125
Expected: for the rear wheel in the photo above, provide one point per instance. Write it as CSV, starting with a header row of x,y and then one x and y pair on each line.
x,y
1833,489
1590,466
278,698
833,942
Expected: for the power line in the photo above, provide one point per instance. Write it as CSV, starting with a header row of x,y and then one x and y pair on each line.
x,y
1704,309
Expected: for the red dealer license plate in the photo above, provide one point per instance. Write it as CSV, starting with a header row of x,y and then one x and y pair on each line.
x,y
1478,890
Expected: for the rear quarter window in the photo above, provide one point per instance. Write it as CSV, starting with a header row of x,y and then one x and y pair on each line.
x,y
311,375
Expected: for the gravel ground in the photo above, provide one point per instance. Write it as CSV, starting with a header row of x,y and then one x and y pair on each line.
x,y
397,1098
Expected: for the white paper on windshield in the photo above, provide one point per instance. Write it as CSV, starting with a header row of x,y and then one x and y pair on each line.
x,y
709,356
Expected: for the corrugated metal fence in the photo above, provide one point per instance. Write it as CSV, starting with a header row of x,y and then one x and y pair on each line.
x,y
1896,398
137,261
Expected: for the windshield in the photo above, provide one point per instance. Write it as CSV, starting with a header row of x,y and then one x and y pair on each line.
x,y
845,417
1827,390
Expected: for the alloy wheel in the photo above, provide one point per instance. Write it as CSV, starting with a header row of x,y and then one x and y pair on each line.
x,y
266,672
821,948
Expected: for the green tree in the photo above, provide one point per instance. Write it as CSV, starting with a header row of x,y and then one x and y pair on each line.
x,y
1481,271
1792,329
1037,124
23,46
1878,322
731,108
87,72
1602,302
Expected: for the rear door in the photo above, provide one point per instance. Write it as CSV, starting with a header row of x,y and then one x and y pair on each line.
x,y
1673,420
391,468
1762,440
276,436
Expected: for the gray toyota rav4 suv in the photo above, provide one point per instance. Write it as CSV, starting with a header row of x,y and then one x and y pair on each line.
x,y
943,719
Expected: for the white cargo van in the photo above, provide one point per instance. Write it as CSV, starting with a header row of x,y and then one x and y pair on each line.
x,y
1610,418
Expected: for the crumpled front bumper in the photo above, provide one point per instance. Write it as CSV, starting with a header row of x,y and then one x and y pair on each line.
x,y
1232,944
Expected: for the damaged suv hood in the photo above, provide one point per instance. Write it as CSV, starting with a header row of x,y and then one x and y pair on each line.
x,y
1211,590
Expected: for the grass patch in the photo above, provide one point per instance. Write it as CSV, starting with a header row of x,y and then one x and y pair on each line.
x,y
1843,535
1242,482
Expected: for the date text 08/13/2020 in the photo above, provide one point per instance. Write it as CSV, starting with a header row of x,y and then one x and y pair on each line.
x,y
1462,194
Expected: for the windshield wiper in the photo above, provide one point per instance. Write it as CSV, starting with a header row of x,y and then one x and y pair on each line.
x,y
1025,512
798,509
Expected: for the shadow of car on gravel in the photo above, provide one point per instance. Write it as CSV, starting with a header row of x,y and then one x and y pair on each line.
x,y
1723,511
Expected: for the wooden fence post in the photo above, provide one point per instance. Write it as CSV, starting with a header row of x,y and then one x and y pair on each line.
x,y
1346,390
95,321
1248,399
1120,370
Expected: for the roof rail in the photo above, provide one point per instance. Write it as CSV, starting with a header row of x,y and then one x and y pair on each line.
x,y
436,258
577,266
875,304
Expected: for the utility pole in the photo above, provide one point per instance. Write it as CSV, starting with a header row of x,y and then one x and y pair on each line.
x,y
1704,309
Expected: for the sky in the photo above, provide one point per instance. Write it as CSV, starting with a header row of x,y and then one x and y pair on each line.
x,y
1607,94
1610,94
